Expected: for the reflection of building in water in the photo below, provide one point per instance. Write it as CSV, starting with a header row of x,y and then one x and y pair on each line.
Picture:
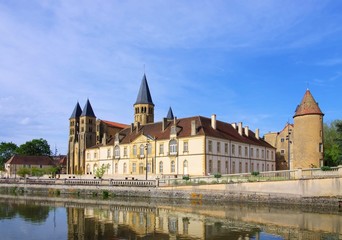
x,y
153,223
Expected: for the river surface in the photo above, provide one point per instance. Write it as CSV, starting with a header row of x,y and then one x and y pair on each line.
x,y
27,217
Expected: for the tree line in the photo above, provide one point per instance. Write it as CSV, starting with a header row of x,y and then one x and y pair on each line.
x,y
35,147
333,143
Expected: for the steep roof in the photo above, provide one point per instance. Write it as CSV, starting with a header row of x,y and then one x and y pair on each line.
x,y
88,110
170,114
144,95
308,106
77,111
203,127
115,124
31,160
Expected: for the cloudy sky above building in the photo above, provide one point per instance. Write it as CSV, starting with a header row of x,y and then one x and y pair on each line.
x,y
245,61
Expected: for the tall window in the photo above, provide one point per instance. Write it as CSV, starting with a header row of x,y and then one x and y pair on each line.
x,y
210,168
108,153
148,167
88,155
233,167
149,149
257,153
161,167
233,149
116,168
173,147
219,166
134,150
252,152
267,154
173,166
161,148
226,166
185,147
258,167
185,167
240,151
263,154
125,168
226,148
134,167
246,167
240,167
141,150
117,151
218,146
246,151
252,167
210,146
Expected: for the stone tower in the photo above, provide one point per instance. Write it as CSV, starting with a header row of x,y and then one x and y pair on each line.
x,y
144,107
87,133
82,135
307,134
73,152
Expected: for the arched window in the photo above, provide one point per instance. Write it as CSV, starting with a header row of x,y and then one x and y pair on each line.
x,y
185,167
108,153
173,147
117,151
141,152
161,167
125,168
173,166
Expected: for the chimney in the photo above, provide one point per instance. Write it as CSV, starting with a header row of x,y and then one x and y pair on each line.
x,y
213,121
234,125
175,121
164,124
247,131
104,139
240,128
193,127
137,127
257,133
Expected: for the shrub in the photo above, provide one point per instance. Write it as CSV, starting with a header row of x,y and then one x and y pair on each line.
x,y
217,175
326,168
105,194
255,173
186,178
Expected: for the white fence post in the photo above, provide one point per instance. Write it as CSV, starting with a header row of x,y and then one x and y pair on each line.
x,y
298,174
339,170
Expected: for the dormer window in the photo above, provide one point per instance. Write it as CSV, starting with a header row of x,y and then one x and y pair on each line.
x,y
173,147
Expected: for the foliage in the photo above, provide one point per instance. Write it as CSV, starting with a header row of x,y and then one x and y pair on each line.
x,y
333,143
326,168
22,172
101,170
37,172
186,178
255,173
7,150
217,175
35,147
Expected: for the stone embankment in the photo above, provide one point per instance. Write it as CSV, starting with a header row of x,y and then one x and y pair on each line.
x,y
325,192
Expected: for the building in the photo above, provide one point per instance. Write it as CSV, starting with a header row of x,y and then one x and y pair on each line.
x,y
84,132
17,161
300,145
194,145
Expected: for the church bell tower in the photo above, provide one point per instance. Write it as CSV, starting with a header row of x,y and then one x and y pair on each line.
x,y
144,107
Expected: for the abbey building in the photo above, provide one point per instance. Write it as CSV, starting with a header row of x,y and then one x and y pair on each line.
x,y
193,145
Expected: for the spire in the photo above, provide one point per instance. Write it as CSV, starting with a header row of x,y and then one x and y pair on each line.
x,y
170,114
308,106
77,111
88,110
144,95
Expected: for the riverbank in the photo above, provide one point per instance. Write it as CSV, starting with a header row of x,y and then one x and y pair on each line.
x,y
321,193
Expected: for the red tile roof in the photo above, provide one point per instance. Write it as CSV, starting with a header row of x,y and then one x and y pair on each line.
x,y
203,125
115,124
31,160
308,106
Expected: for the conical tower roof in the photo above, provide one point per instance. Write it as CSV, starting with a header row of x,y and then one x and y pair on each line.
x,y
77,111
144,95
88,110
170,114
308,106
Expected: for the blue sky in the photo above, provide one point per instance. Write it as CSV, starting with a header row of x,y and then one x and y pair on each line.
x,y
245,61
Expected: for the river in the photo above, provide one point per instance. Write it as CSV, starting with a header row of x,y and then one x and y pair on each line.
x,y
28,217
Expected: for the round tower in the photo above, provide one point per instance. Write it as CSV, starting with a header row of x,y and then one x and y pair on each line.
x,y
307,134
144,107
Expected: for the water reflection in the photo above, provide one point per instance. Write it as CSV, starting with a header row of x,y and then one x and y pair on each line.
x,y
147,219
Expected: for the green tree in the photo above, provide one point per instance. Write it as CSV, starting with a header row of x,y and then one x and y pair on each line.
x,y
7,150
35,147
101,170
22,172
333,143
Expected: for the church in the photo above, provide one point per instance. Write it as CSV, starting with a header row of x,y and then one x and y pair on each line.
x,y
146,149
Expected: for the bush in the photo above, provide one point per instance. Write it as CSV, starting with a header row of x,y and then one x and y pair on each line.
x,y
326,168
105,194
217,175
255,173
186,178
